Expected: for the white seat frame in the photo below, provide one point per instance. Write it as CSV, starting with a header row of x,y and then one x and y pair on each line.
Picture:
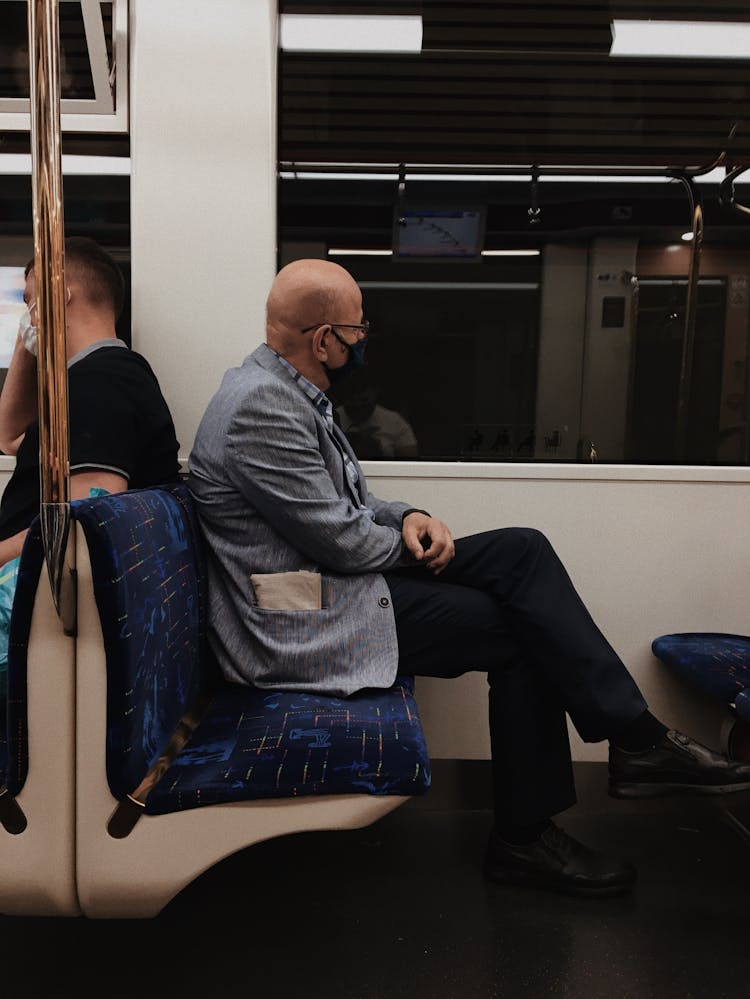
x,y
137,876
38,864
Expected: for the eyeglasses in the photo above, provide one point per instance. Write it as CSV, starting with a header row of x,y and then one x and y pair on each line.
x,y
364,326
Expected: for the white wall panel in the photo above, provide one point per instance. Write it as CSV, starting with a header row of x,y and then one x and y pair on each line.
x,y
203,208
650,550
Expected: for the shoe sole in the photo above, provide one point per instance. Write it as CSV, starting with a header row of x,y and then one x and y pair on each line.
x,y
528,879
636,789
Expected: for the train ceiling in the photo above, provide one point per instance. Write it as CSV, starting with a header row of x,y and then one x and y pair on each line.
x,y
518,82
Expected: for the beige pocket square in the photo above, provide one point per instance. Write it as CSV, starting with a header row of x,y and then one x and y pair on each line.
x,y
287,590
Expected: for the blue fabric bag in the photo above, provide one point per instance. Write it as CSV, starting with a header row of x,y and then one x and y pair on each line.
x,y
8,580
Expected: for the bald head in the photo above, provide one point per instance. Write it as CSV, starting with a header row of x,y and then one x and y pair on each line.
x,y
312,295
306,292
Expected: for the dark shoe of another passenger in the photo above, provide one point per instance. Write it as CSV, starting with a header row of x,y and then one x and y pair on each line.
x,y
558,863
676,765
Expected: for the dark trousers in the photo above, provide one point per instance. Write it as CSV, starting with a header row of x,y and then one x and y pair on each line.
x,y
506,606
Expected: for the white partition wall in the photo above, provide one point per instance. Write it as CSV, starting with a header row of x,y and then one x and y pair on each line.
x,y
203,198
651,550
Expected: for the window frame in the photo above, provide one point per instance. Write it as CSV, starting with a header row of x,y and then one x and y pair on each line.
x,y
108,112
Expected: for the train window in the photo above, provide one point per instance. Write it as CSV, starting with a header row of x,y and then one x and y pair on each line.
x,y
93,66
97,206
11,307
601,311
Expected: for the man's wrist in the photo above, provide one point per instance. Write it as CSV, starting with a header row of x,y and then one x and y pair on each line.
x,y
413,509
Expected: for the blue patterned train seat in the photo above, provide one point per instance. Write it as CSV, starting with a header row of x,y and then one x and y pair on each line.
x,y
714,663
237,743
742,704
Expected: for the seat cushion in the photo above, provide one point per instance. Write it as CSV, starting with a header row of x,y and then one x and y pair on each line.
x,y
714,663
271,744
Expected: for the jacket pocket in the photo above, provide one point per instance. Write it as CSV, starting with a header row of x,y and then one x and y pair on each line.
x,y
287,590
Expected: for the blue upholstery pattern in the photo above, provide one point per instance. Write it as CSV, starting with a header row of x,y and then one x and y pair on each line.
x,y
14,740
742,704
275,744
144,555
148,571
714,663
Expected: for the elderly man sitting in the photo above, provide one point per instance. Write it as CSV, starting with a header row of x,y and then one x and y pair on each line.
x,y
316,584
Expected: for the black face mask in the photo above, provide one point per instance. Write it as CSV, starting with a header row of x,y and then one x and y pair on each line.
x,y
355,360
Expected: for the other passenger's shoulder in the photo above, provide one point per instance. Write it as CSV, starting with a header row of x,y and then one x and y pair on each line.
x,y
114,357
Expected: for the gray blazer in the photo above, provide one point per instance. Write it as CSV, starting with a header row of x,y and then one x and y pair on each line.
x,y
273,496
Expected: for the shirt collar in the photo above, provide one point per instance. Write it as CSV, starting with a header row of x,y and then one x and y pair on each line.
x,y
318,398
109,341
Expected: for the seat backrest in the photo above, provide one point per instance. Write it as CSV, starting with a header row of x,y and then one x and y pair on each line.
x,y
14,756
149,583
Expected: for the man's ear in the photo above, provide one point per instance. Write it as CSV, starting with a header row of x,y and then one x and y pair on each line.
x,y
319,347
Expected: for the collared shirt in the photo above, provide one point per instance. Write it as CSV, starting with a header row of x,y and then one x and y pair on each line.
x,y
110,341
319,399
323,405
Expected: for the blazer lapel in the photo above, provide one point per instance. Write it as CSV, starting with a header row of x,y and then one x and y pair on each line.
x,y
358,492
265,357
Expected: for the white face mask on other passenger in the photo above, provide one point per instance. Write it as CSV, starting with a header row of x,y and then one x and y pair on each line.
x,y
28,331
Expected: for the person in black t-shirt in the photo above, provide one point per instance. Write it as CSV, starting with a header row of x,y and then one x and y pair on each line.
x,y
121,431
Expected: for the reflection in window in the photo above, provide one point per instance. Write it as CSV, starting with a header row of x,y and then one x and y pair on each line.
x,y
588,350
456,360
657,357
75,70
575,354
374,430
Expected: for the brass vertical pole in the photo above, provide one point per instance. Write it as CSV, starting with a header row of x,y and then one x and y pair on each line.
x,y
49,248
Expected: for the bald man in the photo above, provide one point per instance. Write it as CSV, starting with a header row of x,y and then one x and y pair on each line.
x,y
317,585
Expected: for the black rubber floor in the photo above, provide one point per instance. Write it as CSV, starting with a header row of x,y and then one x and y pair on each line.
x,y
400,909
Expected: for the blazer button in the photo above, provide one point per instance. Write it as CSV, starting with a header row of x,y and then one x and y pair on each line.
x,y
384,602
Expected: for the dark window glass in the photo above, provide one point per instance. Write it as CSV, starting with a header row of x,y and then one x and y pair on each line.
x,y
616,342
456,360
75,71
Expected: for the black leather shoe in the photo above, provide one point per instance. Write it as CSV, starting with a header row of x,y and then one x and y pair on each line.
x,y
676,765
559,863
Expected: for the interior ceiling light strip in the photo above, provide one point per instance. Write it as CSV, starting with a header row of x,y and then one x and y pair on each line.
x,y
340,251
511,253
672,282
681,39
303,175
19,164
452,285
358,33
